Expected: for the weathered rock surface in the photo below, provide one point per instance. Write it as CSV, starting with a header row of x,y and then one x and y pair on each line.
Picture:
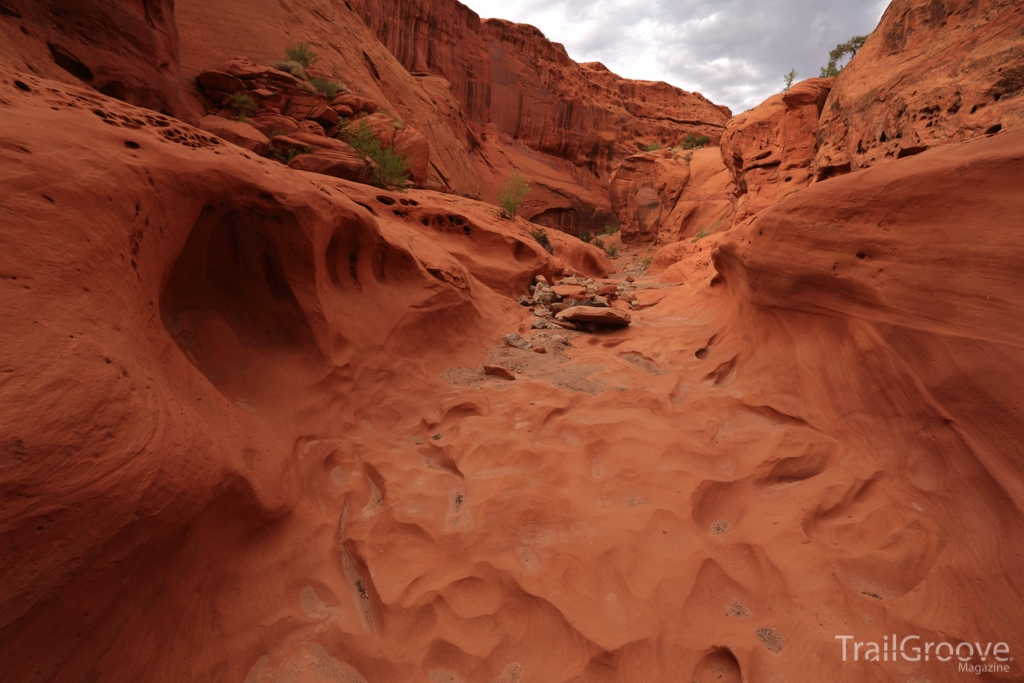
x,y
237,133
668,195
126,49
770,150
932,73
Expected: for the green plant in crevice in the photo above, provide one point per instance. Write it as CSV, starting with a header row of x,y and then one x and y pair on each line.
x,y
302,54
243,104
541,235
850,47
586,236
390,169
285,155
512,193
652,146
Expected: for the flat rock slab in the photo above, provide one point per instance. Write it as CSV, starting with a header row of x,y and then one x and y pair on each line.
x,y
603,317
570,291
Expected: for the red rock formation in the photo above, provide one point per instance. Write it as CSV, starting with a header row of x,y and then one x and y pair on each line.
x,y
523,94
127,49
932,73
668,195
212,33
770,150
248,436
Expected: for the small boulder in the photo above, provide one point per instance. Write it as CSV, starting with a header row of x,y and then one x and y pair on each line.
x,y
355,103
218,81
498,371
237,133
274,124
601,302
540,279
602,317
516,341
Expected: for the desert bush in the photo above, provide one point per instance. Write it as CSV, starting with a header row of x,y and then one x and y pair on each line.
x,y
512,194
701,234
302,54
391,169
541,235
586,236
611,229
651,146
292,67
612,251
243,104
286,155
325,87
689,157
691,141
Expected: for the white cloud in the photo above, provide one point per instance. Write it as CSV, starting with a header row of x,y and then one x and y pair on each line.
x,y
735,52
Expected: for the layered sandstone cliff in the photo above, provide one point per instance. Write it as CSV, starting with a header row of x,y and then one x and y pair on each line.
x,y
522,94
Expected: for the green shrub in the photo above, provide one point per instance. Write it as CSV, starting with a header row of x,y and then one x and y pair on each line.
x,y
325,87
286,155
611,229
646,263
512,194
689,157
652,146
391,169
691,141
599,243
850,47
586,236
788,80
243,104
292,67
303,54
700,234
612,251
541,235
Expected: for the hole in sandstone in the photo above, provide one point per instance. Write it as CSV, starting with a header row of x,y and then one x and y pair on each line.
x,y
718,666
425,221
229,304
974,109
131,145
386,201
22,86
883,137
701,354
466,230
861,255
994,129
996,96
8,12
114,89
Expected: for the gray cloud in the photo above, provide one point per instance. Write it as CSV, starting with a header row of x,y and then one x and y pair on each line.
x,y
735,52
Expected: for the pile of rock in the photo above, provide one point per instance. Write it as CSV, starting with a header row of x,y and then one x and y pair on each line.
x,y
292,120
575,303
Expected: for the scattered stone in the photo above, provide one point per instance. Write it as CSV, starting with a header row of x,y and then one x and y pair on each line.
x,y
738,610
539,349
542,312
630,278
601,302
516,341
498,371
570,292
544,296
540,279
525,301
606,290
600,317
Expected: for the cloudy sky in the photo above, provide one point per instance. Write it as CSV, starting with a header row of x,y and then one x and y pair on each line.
x,y
735,52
